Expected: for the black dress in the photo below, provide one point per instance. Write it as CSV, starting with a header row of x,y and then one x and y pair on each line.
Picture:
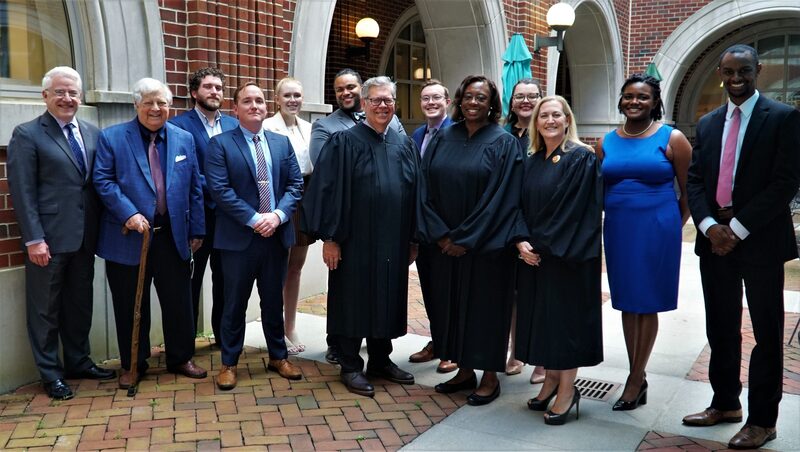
x,y
363,197
559,319
469,193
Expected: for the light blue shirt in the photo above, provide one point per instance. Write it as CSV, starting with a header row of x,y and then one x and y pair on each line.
x,y
214,130
248,137
745,113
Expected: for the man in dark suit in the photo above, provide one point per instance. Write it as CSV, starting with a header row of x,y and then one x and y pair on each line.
x,y
254,178
146,175
347,87
204,121
49,176
745,170
434,99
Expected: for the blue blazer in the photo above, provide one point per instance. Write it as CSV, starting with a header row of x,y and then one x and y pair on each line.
x,y
190,122
419,132
231,178
123,183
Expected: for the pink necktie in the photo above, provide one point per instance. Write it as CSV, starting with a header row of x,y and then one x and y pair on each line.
x,y
157,175
725,181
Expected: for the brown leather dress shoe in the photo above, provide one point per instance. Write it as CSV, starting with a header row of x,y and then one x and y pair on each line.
x,y
285,369
227,378
712,416
446,366
125,380
752,437
424,355
188,369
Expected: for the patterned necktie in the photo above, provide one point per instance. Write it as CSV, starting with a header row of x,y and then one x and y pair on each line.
x,y
428,137
263,177
725,180
76,148
359,116
157,175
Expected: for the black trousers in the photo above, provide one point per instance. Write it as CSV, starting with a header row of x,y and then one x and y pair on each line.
x,y
170,274
201,257
264,262
58,300
351,361
722,286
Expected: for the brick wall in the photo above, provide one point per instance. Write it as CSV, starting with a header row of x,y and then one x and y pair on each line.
x,y
529,18
249,42
10,246
342,35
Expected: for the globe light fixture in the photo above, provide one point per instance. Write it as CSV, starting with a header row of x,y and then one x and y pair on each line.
x,y
559,17
367,29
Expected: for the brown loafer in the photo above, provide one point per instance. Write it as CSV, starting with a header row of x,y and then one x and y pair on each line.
x,y
446,366
752,437
424,355
712,416
125,380
227,378
188,369
285,369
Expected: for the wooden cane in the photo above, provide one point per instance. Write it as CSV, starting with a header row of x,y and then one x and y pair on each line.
x,y
137,312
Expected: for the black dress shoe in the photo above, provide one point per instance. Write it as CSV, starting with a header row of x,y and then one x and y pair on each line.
x,y
357,383
478,400
59,390
331,356
92,373
535,404
449,388
392,373
627,405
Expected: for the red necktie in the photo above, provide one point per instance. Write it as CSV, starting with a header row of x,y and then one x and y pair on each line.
x,y
157,175
725,181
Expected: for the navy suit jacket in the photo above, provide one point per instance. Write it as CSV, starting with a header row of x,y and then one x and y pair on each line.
x,y
766,180
419,133
232,182
190,122
123,182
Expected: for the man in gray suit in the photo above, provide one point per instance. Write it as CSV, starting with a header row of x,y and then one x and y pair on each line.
x,y
347,86
49,175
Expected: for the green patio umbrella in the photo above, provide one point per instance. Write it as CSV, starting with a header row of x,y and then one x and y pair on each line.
x,y
516,66
652,71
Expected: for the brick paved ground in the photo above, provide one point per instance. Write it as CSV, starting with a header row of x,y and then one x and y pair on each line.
x,y
264,412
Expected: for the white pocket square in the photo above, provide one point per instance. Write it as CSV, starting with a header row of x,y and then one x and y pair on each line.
x,y
179,158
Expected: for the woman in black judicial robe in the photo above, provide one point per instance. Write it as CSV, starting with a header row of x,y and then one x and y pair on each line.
x,y
557,234
472,172
363,197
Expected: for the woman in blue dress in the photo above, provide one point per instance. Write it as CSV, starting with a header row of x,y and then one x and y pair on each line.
x,y
643,222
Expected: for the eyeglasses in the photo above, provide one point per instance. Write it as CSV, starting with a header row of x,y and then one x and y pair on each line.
x,y
434,98
480,98
377,101
62,93
531,97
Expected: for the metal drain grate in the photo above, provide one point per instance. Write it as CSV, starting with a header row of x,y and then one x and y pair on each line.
x,y
596,389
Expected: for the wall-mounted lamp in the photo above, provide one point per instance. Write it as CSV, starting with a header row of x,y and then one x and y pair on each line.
x,y
559,17
367,30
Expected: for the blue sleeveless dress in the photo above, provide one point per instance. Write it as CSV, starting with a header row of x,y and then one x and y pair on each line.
x,y
642,230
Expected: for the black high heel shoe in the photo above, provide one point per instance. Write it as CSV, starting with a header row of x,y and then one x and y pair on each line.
x,y
535,404
561,418
625,405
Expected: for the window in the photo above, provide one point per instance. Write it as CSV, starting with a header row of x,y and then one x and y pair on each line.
x,y
779,56
409,67
34,37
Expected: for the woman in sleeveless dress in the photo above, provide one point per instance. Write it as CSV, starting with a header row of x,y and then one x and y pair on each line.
x,y
643,222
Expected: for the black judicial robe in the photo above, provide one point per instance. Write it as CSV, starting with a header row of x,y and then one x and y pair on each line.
x,y
559,319
469,192
363,197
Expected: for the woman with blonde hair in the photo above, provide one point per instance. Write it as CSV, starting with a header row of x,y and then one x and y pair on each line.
x,y
557,235
289,100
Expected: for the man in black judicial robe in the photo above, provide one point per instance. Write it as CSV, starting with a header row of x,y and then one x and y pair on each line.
x,y
361,202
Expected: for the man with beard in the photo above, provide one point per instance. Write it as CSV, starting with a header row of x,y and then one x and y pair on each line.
x,y
207,87
347,86
362,204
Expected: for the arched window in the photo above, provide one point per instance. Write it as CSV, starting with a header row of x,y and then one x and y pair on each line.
x,y
34,37
779,56
409,67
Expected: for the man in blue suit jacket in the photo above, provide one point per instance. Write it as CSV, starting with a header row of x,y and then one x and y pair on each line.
x,y
254,178
206,87
146,175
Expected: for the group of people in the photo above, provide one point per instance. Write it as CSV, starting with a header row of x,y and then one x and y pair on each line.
x,y
503,221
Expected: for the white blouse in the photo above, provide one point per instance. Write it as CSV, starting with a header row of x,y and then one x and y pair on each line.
x,y
299,135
